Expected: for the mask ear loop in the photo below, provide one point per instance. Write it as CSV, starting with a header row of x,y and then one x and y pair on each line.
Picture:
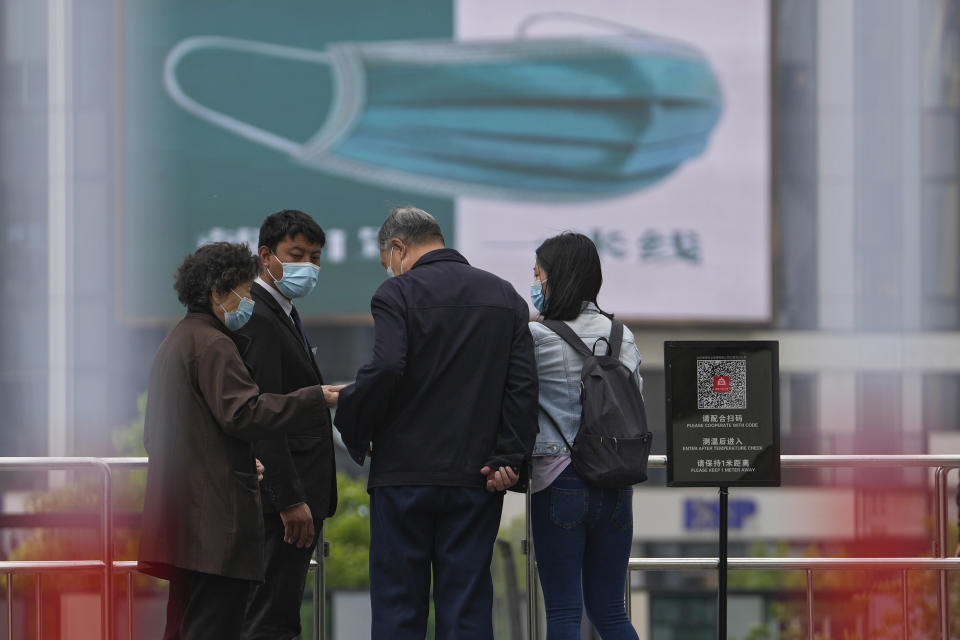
x,y
220,304
577,18
270,271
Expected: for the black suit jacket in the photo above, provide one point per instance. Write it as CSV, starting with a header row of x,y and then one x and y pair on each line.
x,y
302,468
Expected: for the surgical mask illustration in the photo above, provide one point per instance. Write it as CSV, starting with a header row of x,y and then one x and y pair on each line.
x,y
541,119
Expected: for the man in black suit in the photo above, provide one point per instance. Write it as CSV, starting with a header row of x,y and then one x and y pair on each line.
x,y
299,487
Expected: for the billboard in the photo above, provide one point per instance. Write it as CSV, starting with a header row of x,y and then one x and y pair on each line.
x,y
644,124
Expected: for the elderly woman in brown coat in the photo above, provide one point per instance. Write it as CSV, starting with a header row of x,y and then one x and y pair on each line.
x,y
202,523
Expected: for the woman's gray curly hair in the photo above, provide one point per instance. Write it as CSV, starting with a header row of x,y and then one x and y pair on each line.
x,y
219,267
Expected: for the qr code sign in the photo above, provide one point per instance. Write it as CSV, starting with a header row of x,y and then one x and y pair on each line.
x,y
721,384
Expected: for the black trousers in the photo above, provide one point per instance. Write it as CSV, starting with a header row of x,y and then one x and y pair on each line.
x,y
273,611
443,533
203,606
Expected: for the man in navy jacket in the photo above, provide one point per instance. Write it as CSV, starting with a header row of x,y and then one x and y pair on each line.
x,y
447,412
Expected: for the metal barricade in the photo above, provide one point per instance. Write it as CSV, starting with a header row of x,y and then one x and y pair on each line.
x,y
40,568
808,566
941,563
106,565
103,565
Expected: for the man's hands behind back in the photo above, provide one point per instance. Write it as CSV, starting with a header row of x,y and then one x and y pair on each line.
x,y
500,479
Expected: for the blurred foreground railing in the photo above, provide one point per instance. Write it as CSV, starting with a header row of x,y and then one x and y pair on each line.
x,y
102,565
107,566
941,563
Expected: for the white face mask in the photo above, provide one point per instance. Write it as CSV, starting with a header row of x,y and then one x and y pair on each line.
x,y
390,271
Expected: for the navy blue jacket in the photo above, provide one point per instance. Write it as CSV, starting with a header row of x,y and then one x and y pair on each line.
x,y
452,385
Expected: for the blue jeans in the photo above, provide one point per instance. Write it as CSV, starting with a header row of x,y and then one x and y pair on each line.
x,y
582,537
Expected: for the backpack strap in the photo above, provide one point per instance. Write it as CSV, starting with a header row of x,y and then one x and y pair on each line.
x,y
616,337
560,431
569,336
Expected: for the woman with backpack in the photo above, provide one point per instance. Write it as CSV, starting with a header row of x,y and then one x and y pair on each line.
x,y
582,533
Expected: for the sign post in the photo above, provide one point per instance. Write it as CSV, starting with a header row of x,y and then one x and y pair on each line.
x,y
723,425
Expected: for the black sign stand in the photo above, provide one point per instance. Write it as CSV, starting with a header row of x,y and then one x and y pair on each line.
x,y
722,389
722,569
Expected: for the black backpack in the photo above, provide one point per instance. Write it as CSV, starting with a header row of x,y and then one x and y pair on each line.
x,y
613,444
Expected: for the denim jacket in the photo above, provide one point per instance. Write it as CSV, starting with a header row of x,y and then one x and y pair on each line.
x,y
558,370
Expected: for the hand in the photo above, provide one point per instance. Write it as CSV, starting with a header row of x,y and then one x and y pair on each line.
x,y
260,469
501,479
957,551
297,525
331,394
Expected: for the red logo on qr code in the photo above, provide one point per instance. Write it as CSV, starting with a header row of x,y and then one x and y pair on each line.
x,y
721,384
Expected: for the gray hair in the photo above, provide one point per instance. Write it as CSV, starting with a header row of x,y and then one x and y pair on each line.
x,y
411,225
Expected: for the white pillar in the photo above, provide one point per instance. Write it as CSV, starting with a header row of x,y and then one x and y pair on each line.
x,y
911,193
911,204
59,226
836,259
835,165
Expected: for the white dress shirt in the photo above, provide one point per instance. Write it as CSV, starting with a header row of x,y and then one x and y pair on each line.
x,y
285,304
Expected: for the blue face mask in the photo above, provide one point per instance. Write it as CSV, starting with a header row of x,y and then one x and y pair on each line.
x,y
299,278
536,295
534,119
234,320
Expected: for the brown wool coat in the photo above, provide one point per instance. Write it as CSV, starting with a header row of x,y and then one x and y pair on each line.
x,y
202,508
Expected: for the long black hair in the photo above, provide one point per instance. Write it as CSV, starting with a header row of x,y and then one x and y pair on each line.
x,y
573,274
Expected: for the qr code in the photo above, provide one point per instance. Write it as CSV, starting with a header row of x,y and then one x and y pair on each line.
x,y
721,384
